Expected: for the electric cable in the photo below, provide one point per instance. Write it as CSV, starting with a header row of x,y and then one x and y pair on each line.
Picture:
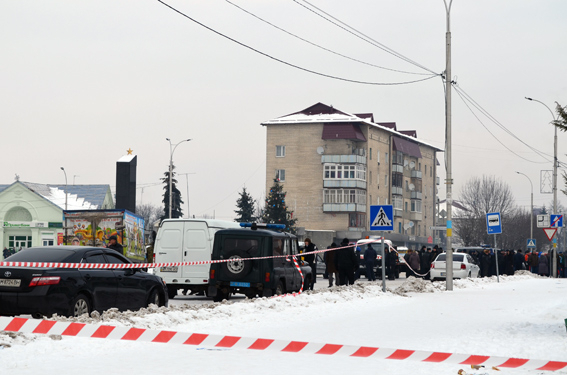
x,y
293,65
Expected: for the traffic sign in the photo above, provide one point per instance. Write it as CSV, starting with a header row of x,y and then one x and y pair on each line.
x,y
543,221
382,217
556,221
493,223
550,232
531,243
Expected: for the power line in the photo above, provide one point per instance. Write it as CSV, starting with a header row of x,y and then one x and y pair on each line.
x,y
317,45
492,134
293,65
361,35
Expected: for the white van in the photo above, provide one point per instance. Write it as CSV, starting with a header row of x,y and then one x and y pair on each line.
x,y
186,240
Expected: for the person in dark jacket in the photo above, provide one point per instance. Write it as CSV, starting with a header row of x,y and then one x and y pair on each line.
x,y
509,263
485,261
518,261
332,271
425,262
346,263
311,259
114,245
392,262
543,266
370,256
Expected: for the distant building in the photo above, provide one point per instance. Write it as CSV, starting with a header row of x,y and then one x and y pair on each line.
x,y
334,165
32,214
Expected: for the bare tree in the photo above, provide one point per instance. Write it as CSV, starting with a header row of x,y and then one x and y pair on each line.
x,y
480,196
150,213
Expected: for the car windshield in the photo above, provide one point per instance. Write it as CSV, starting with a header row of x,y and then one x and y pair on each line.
x,y
456,258
42,254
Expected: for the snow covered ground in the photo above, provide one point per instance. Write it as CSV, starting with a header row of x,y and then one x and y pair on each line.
x,y
522,317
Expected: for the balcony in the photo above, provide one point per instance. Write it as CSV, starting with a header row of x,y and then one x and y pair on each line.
x,y
416,195
397,190
416,216
415,174
343,159
350,184
397,168
344,207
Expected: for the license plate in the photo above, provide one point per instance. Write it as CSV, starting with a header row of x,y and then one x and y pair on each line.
x,y
168,269
443,274
240,284
10,282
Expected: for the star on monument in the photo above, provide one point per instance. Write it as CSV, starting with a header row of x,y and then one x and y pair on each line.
x,y
129,151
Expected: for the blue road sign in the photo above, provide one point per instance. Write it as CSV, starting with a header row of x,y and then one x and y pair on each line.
x,y
382,217
493,223
531,243
556,221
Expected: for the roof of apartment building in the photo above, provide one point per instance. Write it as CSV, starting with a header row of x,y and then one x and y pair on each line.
x,y
344,125
79,197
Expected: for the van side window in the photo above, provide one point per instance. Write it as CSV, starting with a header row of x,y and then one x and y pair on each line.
x,y
287,247
277,246
250,246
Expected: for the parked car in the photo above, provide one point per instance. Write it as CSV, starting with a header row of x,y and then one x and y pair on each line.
x,y
73,292
463,266
377,245
260,277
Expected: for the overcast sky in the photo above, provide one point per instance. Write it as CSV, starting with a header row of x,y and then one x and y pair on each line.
x,y
81,82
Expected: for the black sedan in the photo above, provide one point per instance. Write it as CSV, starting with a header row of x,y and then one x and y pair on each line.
x,y
73,292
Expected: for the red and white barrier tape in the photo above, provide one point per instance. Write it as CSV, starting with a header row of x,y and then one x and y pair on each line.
x,y
50,327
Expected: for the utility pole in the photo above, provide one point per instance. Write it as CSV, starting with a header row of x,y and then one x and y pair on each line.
x,y
449,177
172,148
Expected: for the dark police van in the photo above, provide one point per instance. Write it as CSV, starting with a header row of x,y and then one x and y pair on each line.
x,y
260,277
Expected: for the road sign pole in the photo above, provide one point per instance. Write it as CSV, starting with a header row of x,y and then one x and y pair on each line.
x,y
383,264
496,257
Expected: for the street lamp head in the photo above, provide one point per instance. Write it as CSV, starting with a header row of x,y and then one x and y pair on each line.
x,y
528,98
167,139
62,168
187,140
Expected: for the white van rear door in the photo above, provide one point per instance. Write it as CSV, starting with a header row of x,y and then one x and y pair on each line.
x,y
168,248
197,245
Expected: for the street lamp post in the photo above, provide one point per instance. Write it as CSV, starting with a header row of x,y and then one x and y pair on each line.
x,y
172,148
63,169
554,260
531,206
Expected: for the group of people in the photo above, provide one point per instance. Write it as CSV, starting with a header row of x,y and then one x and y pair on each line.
x,y
11,251
510,261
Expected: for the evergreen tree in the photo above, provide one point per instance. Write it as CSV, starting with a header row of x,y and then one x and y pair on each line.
x,y
245,206
276,210
176,201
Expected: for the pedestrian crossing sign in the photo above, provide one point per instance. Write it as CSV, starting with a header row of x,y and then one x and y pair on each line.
x,y
382,217
531,243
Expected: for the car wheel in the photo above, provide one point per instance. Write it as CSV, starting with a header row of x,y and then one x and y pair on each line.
x,y
221,296
239,267
280,289
154,298
81,305
171,291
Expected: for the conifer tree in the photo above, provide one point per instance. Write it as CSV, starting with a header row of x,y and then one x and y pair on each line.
x,y
245,205
176,201
276,209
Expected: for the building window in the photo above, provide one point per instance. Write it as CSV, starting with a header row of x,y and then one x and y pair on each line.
x,y
425,169
344,196
397,179
17,242
370,153
386,158
397,158
419,230
378,156
400,227
357,220
386,180
280,151
419,166
280,174
377,200
413,230
406,207
344,172
415,205
370,177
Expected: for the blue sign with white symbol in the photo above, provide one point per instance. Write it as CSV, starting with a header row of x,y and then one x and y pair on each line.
x,y
382,217
556,221
531,243
493,223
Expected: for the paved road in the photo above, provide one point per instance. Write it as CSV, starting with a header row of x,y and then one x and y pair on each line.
x,y
321,283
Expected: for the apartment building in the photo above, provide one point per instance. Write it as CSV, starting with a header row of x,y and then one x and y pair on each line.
x,y
334,165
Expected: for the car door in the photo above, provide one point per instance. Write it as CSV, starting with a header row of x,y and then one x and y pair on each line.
x,y
475,269
131,284
294,251
99,283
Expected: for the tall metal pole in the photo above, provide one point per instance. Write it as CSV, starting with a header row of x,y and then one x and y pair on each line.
x,y
187,179
63,169
172,148
449,177
554,260
531,206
